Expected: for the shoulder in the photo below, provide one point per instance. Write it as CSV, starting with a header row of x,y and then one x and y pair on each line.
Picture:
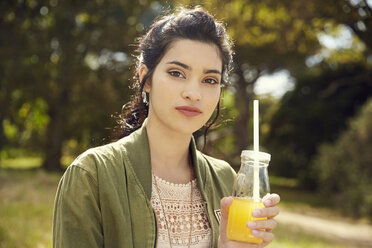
x,y
96,158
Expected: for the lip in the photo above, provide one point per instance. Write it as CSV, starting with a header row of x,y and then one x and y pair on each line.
x,y
189,111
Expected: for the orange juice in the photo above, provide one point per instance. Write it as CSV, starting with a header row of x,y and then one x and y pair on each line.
x,y
240,213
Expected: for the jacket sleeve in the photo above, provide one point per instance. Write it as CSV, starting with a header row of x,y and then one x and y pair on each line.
x,y
77,215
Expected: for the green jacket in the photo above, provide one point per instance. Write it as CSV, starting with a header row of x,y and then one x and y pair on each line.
x,y
103,199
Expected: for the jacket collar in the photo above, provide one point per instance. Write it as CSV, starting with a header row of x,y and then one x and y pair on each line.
x,y
138,152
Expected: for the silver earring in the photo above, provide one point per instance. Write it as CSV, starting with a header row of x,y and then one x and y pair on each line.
x,y
144,98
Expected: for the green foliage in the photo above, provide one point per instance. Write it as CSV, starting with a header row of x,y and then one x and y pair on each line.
x,y
222,140
357,15
344,168
20,163
65,70
313,113
65,65
28,124
10,130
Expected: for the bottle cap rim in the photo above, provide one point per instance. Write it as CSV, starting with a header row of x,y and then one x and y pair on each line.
x,y
256,155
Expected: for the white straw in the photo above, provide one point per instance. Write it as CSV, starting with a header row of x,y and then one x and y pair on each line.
x,y
256,177
256,138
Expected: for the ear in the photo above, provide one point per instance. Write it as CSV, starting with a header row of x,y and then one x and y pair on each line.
x,y
142,71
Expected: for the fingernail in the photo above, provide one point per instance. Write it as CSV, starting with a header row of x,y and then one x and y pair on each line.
x,y
255,233
251,224
268,202
256,213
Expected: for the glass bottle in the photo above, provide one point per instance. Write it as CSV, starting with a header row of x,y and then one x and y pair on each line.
x,y
253,165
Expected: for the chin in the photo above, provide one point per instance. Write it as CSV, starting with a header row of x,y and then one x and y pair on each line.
x,y
189,127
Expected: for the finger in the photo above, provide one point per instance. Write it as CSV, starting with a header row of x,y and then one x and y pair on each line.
x,y
268,224
271,200
267,237
225,204
269,212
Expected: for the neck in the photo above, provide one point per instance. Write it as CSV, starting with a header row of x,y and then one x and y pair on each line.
x,y
169,153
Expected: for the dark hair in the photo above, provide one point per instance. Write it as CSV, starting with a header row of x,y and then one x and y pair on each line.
x,y
193,24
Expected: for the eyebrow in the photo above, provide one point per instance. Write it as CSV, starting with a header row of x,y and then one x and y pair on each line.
x,y
212,71
189,68
180,64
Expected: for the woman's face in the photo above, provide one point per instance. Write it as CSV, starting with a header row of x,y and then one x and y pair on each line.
x,y
185,86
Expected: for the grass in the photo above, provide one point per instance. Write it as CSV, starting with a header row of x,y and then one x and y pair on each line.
x,y
27,197
292,237
26,207
314,204
21,163
25,163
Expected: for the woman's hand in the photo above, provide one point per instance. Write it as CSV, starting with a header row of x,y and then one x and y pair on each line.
x,y
270,211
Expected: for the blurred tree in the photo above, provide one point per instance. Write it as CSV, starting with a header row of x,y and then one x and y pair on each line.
x,y
221,140
313,113
75,57
356,14
10,58
266,40
272,35
344,169
341,22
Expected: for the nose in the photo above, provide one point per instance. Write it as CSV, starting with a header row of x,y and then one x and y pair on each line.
x,y
191,93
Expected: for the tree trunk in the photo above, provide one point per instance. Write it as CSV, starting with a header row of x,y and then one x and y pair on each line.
x,y
2,134
54,141
243,102
242,137
4,110
59,110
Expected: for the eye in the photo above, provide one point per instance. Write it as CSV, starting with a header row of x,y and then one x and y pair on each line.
x,y
211,81
177,74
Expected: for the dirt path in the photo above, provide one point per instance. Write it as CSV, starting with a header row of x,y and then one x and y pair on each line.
x,y
355,235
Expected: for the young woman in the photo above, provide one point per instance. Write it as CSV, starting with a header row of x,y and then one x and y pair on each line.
x,y
153,188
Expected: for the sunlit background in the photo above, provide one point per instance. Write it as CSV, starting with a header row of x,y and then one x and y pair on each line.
x,y
65,71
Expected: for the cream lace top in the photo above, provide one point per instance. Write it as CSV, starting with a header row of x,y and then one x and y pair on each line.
x,y
176,201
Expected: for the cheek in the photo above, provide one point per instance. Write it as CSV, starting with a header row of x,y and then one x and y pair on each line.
x,y
166,82
213,97
160,86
